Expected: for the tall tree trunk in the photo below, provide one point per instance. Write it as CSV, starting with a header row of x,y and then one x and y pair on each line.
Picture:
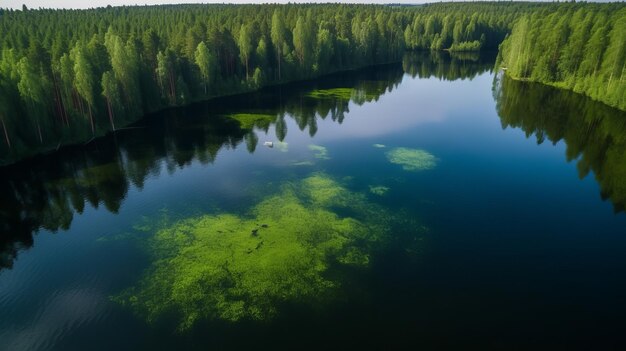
x,y
172,88
66,117
57,105
110,114
608,86
278,58
80,104
59,100
6,133
247,74
39,131
93,130
37,122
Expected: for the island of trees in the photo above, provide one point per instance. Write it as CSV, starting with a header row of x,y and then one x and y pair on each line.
x,y
67,76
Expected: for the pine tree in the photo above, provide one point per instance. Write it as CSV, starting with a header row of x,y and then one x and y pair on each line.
x,y
278,38
246,45
205,62
111,92
84,81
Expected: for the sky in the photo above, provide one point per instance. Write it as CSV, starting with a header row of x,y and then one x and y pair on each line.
x,y
17,4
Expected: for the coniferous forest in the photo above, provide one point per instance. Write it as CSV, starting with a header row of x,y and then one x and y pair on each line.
x,y
67,76
581,47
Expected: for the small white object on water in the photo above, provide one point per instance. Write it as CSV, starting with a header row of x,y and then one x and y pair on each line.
x,y
268,144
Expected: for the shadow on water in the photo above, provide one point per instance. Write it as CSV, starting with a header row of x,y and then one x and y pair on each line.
x,y
447,66
594,133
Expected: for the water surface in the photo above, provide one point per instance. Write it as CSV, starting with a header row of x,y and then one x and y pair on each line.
x,y
432,203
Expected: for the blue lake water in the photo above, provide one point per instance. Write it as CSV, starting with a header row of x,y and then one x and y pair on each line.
x,y
489,212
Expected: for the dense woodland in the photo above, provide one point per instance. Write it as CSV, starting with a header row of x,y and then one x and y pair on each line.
x,y
581,47
67,76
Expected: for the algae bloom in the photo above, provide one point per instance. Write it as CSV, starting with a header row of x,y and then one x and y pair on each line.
x,y
378,190
250,120
367,92
334,93
320,152
235,267
412,159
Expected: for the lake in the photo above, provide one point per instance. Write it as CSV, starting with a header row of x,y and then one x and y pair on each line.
x,y
431,203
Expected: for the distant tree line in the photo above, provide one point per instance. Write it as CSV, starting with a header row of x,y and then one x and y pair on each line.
x,y
464,27
581,47
67,76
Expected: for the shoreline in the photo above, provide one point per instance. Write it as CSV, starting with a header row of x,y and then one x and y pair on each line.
x,y
556,85
54,149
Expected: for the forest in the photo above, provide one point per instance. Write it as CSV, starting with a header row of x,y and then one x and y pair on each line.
x,y
67,76
580,47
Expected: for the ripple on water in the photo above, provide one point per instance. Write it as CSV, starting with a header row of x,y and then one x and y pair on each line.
x,y
62,313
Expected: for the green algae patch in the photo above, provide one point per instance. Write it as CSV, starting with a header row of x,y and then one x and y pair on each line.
x,y
250,120
334,93
378,190
320,152
369,91
412,159
379,146
324,191
234,267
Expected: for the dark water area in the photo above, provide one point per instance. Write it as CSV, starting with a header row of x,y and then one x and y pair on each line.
x,y
430,204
